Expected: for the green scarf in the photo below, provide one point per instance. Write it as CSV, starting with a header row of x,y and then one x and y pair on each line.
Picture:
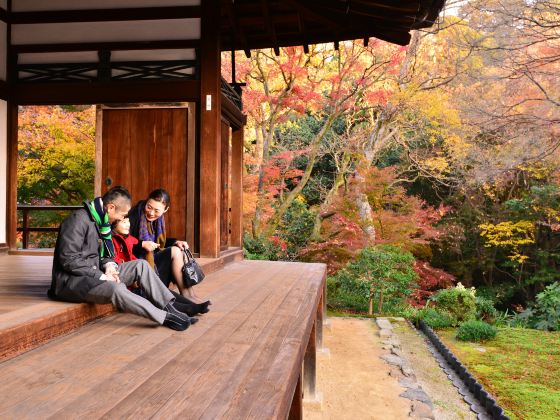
x,y
101,218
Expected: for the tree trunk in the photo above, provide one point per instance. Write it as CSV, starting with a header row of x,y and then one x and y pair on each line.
x,y
333,192
380,307
313,153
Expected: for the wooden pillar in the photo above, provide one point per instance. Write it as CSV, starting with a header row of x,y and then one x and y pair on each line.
x,y
12,156
296,409
210,129
310,366
237,188
319,322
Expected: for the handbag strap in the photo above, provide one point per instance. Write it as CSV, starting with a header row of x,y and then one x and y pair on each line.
x,y
187,255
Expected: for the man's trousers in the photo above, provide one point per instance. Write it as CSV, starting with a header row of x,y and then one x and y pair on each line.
x,y
157,294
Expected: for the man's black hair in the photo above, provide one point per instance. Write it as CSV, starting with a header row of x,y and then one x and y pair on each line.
x,y
114,194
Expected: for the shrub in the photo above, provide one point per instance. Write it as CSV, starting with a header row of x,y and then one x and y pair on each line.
x,y
476,331
544,314
342,295
457,302
260,248
434,319
381,273
485,310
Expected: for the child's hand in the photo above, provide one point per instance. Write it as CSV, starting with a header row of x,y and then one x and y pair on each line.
x,y
150,246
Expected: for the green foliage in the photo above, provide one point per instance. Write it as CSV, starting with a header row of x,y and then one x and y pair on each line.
x,y
476,331
485,310
343,294
545,312
296,226
433,318
260,248
457,302
383,273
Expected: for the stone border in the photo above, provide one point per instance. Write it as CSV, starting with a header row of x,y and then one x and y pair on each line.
x,y
420,403
485,400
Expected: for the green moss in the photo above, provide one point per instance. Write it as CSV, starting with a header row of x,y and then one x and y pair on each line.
x,y
521,368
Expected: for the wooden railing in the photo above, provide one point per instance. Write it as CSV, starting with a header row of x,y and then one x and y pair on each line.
x,y
26,229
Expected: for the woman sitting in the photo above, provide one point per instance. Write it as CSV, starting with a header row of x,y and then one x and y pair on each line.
x,y
147,223
123,242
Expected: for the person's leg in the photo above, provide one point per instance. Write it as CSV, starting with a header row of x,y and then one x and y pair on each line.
x,y
125,301
155,290
177,263
141,271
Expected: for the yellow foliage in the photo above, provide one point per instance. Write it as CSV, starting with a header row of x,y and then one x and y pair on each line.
x,y
509,235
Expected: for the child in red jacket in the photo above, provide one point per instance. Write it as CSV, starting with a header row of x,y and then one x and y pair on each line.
x,y
123,241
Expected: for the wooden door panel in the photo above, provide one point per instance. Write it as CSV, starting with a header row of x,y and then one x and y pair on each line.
x,y
145,149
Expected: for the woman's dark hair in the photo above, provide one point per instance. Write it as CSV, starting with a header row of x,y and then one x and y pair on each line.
x,y
160,195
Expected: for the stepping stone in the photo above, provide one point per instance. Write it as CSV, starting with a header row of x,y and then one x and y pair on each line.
x,y
383,323
417,394
393,360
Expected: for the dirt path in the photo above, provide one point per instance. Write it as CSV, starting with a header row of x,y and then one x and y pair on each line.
x,y
354,381
356,384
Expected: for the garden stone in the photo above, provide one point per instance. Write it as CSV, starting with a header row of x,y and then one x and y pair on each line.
x,y
409,383
383,324
385,333
417,395
421,410
397,352
407,371
387,347
393,360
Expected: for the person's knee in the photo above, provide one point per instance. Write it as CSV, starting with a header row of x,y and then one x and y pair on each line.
x,y
119,295
175,252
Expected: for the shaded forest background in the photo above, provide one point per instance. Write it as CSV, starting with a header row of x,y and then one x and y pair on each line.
x,y
445,150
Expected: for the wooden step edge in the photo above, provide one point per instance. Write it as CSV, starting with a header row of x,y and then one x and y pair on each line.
x,y
32,334
29,335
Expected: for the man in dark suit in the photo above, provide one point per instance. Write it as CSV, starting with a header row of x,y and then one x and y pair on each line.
x,y
84,271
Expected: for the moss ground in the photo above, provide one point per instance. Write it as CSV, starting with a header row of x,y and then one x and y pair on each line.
x,y
520,368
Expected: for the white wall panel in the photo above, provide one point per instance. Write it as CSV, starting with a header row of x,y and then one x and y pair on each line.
x,y
67,57
3,166
148,30
153,55
36,5
3,50
92,57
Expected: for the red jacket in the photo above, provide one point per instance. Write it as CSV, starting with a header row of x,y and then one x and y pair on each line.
x,y
123,247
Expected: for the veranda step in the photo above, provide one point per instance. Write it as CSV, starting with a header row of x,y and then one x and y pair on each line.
x,y
28,318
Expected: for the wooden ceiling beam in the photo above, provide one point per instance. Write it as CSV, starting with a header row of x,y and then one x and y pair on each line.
x,y
269,24
301,25
237,31
4,89
111,46
106,15
3,15
100,92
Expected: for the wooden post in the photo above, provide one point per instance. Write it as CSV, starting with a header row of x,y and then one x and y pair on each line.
x,y
12,156
237,188
296,409
210,129
310,366
319,322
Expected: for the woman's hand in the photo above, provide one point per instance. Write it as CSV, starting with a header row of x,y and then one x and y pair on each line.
x,y
182,245
150,246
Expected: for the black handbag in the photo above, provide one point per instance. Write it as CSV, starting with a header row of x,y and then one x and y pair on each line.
x,y
192,272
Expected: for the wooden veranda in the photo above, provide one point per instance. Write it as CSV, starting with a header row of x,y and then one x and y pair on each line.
x,y
241,360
